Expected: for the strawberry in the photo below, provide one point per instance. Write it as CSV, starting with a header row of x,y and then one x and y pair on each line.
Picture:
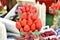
x,y
33,27
34,9
38,24
20,19
52,5
35,16
21,30
18,25
35,36
27,8
30,15
26,28
19,11
24,15
25,5
23,9
30,10
23,22
29,22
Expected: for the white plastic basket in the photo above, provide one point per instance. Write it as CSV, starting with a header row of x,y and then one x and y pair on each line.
x,y
3,33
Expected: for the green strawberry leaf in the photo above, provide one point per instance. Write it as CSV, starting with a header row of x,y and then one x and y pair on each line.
x,y
58,11
33,33
19,15
22,32
37,33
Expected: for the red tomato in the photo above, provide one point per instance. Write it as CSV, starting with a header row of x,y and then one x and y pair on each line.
x,y
23,22
33,27
18,25
29,22
26,28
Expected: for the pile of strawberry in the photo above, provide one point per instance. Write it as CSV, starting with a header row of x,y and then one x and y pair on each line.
x,y
29,21
55,6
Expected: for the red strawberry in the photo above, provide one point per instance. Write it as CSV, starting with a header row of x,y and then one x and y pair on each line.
x,y
33,27
19,11
27,9
35,16
30,10
52,6
24,15
54,39
18,25
20,19
23,22
29,22
30,15
38,24
23,9
25,5
35,36
26,28
21,30
34,9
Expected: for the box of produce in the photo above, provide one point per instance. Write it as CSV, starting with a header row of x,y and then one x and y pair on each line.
x,y
48,33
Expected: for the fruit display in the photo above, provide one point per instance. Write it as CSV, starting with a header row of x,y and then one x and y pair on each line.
x,y
54,8
29,20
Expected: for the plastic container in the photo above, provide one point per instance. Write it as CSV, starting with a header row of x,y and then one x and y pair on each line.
x,y
10,25
42,12
51,38
58,31
43,31
3,33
